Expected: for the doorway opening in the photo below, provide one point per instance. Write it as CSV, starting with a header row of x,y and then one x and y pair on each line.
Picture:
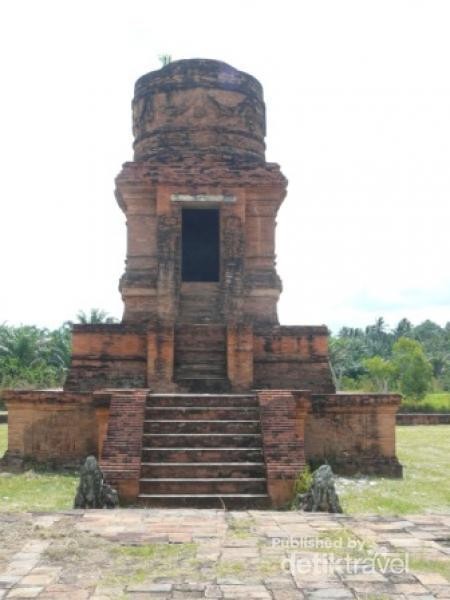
x,y
200,235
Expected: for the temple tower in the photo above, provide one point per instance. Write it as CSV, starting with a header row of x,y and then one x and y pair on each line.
x,y
200,287
200,200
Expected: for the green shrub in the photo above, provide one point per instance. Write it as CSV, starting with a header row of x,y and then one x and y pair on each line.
x,y
303,481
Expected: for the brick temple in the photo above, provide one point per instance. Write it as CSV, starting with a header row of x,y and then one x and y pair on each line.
x,y
199,396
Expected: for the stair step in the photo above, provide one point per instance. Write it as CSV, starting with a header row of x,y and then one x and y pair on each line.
x,y
192,426
186,400
202,470
200,349
202,413
198,371
204,385
193,455
238,485
206,440
188,464
215,501
201,480
203,449
194,316
200,331
203,495
212,352
200,359
192,376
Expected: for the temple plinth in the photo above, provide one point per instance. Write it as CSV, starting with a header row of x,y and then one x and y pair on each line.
x,y
199,372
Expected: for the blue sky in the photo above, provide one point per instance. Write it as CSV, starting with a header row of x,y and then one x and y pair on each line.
x,y
358,115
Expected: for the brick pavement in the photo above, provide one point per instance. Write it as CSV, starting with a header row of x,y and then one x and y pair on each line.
x,y
168,554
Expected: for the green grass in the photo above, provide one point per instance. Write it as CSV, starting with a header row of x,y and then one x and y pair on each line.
x,y
240,527
159,552
425,565
431,403
3,439
37,491
424,452
34,489
230,568
154,561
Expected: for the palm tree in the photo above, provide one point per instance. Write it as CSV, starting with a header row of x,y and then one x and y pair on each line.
x,y
25,343
27,358
95,317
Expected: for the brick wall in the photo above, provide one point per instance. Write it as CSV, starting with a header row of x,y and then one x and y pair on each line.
x,y
51,426
292,357
160,357
240,356
355,433
121,456
107,356
282,423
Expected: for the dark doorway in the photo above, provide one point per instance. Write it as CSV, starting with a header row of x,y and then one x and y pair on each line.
x,y
200,244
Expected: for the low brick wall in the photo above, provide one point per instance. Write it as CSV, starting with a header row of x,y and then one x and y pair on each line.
x,y
50,426
355,433
423,419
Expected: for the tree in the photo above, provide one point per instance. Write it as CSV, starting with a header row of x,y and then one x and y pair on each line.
x,y
165,59
29,357
413,369
59,347
436,344
346,355
351,332
381,372
94,317
378,339
403,329
24,343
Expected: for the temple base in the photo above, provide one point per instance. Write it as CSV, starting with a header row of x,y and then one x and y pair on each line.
x,y
239,450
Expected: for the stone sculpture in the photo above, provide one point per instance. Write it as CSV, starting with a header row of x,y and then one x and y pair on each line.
x,y
92,492
322,495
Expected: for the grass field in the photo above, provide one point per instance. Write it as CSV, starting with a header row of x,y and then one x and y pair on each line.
x,y
3,439
34,490
439,402
424,452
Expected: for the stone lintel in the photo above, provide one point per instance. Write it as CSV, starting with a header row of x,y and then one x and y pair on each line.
x,y
215,198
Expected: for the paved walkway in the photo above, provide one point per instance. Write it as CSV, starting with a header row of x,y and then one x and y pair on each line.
x,y
147,554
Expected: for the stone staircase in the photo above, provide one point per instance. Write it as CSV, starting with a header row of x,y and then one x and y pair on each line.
x,y
200,302
202,450
200,363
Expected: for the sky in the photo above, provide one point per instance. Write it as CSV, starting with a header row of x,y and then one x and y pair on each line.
x,y
358,116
